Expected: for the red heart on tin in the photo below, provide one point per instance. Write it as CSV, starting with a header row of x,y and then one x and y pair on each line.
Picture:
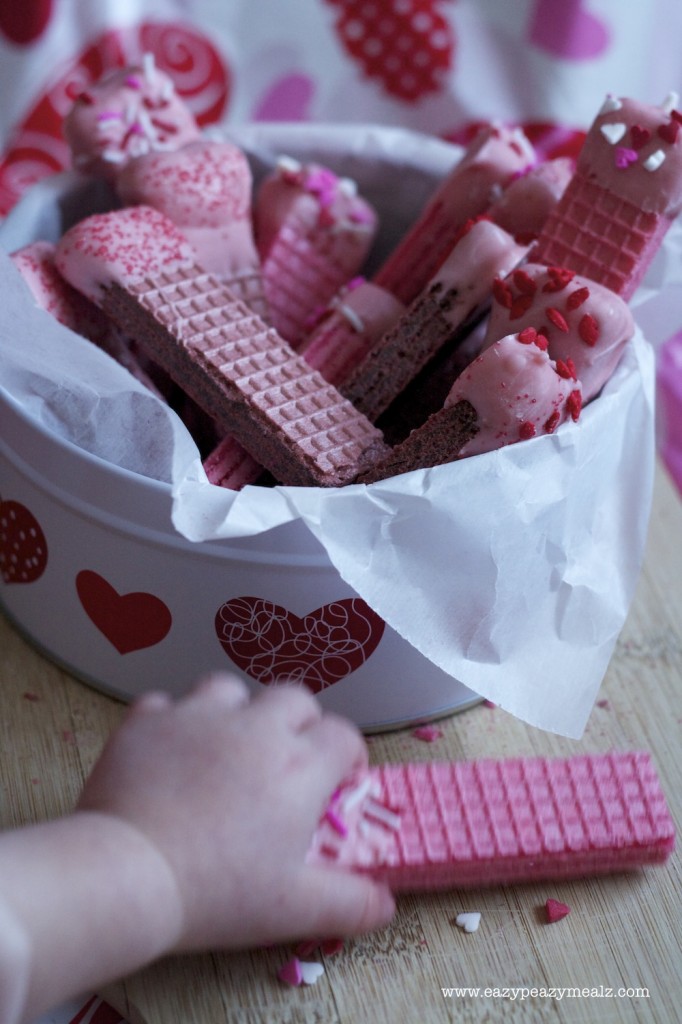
x,y
273,645
129,621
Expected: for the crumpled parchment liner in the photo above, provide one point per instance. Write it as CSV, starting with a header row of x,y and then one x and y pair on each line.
x,y
512,571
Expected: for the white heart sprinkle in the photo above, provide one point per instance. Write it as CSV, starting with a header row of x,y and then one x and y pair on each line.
x,y
468,922
610,104
614,132
654,160
311,971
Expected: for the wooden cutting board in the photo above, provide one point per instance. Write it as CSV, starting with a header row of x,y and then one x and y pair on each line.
x,y
622,932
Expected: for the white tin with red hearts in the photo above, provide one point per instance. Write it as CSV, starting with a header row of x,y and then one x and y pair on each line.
x,y
507,575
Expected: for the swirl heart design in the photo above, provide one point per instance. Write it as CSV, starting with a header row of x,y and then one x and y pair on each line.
x,y
272,644
129,621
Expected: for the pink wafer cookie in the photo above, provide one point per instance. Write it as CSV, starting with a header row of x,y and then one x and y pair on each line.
x,y
459,291
205,189
586,324
525,204
139,268
489,164
313,233
512,392
439,825
625,193
131,111
355,320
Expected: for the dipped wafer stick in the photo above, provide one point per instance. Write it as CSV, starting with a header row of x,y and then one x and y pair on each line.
x,y
623,197
137,266
439,825
491,161
313,232
441,315
205,189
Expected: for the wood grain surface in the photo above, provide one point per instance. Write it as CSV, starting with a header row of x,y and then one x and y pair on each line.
x,y
623,932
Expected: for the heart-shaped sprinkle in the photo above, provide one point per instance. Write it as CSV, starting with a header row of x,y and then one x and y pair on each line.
x,y
427,733
625,157
669,131
654,160
556,910
639,136
468,922
614,131
291,973
610,104
311,971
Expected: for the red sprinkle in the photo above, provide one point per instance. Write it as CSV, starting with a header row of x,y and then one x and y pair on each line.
x,y
566,369
553,422
557,318
526,430
669,132
86,98
556,910
676,116
639,136
524,282
541,340
520,306
502,293
588,329
574,404
577,298
527,336
559,277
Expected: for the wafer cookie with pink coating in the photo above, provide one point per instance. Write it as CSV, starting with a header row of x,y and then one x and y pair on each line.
x,y
137,266
441,315
313,232
511,392
205,188
586,325
129,112
623,197
439,825
490,163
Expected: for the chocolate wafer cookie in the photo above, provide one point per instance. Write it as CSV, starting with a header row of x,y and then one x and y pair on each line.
x,y
136,266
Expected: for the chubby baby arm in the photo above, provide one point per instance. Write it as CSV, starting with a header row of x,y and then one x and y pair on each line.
x,y
190,834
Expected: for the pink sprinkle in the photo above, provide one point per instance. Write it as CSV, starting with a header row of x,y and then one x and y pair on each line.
x,y
291,973
603,703
335,821
427,733
355,282
489,704
624,157
109,115
133,82
556,910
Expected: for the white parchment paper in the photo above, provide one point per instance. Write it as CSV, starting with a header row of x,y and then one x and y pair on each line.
x,y
513,571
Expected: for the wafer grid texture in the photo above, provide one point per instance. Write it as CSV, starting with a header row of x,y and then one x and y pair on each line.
x,y
299,277
489,821
419,255
599,235
225,347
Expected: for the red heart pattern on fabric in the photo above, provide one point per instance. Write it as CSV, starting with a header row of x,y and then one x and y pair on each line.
x,y
408,49
130,622
273,645
23,548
